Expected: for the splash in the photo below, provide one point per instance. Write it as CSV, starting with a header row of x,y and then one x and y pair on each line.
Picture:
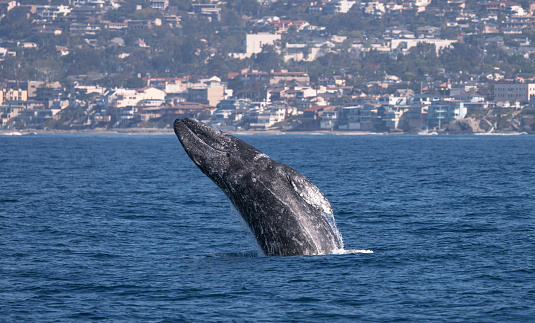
x,y
249,237
332,223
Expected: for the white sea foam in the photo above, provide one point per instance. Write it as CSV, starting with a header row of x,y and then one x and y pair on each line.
x,y
347,252
12,134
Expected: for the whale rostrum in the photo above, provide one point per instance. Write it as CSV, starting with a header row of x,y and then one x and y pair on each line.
x,y
286,213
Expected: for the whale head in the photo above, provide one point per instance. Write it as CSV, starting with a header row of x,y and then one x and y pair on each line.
x,y
217,154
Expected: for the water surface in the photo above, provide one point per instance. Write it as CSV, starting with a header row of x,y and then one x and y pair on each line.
x,y
126,228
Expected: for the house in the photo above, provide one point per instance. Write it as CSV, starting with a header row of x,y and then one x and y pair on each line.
x,y
9,111
362,118
495,7
7,5
329,118
122,98
117,26
469,97
267,117
51,12
442,112
151,93
4,52
415,116
349,118
283,77
44,29
281,26
312,117
159,4
210,11
373,8
209,92
393,116
84,29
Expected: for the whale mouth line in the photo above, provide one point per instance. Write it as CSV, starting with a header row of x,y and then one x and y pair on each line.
x,y
200,136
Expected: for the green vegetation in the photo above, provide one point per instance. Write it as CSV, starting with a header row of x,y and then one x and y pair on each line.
x,y
202,47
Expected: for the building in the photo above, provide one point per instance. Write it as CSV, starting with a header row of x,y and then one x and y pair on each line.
x,y
7,5
9,111
122,98
440,113
282,77
405,44
337,6
393,117
349,118
255,42
210,11
513,91
414,117
7,95
84,29
209,92
373,8
420,4
51,12
230,113
159,4
265,118
329,118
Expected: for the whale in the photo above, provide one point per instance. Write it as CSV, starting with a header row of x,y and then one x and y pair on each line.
x,y
285,212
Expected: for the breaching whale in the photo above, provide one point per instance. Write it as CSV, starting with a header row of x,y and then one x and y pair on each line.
x,y
286,213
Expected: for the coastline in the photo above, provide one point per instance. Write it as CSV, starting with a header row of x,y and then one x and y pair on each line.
x,y
168,131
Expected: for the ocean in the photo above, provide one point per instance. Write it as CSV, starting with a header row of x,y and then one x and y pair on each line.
x,y
127,228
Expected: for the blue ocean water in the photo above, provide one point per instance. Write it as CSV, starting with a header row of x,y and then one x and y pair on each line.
x,y
126,228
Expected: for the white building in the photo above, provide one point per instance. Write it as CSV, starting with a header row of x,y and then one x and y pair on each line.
x,y
121,98
159,4
51,12
255,42
374,8
420,4
392,100
337,6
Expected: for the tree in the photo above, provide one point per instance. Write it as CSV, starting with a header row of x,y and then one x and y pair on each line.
x,y
15,25
268,59
134,83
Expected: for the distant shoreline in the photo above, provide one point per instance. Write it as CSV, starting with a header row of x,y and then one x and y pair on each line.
x,y
159,131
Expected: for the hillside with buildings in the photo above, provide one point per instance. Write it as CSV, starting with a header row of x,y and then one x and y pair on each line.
x,y
380,66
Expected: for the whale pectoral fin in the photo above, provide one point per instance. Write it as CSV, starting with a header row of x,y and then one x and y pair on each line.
x,y
308,191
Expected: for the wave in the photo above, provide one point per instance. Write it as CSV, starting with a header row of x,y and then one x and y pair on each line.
x,y
348,252
500,133
16,133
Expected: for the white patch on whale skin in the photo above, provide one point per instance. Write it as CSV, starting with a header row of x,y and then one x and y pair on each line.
x,y
313,196
260,155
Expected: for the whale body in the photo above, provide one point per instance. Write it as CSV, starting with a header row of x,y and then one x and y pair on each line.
x,y
286,213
